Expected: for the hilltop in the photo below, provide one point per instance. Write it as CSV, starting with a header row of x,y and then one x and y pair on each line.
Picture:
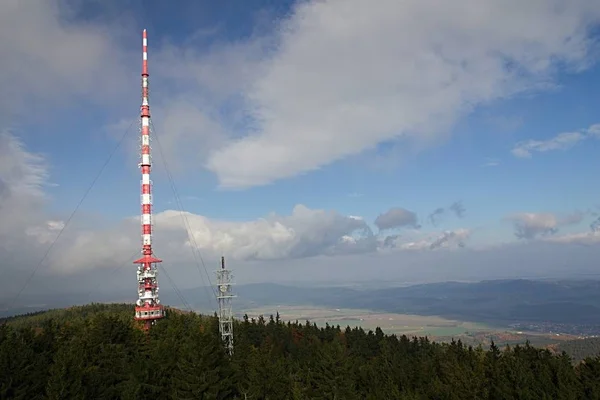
x,y
97,351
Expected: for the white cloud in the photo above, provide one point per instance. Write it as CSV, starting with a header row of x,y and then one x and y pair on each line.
x,y
197,97
185,131
22,179
585,238
298,246
491,162
562,141
337,84
314,90
431,241
396,217
48,58
28,229
532,225
594,130
304,233
46,233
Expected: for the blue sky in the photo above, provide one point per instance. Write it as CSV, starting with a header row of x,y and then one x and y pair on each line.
x,y
343,108
455,169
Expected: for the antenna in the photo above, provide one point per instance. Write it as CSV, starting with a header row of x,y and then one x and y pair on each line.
x,y
148,307
225,294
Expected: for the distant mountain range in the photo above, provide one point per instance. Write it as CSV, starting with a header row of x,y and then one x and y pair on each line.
x,y
499,302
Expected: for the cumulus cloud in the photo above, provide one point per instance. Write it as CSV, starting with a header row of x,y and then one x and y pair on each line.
x,y
334,84
302,239
562,141
532,225
396,217
28,229
304,233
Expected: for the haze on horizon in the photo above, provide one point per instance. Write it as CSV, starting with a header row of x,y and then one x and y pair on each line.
x,y
311,141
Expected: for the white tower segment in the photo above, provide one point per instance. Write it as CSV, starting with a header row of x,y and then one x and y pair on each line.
x,y
225,295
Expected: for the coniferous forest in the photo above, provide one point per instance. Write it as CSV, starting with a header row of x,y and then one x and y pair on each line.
x,y
98,352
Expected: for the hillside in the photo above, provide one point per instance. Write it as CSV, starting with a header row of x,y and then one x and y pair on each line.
x,y
97,351
581,348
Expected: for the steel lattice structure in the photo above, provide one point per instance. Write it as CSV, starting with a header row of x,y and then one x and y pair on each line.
x,y
225,295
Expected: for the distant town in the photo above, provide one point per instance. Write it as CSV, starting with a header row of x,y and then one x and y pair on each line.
x,y
582,330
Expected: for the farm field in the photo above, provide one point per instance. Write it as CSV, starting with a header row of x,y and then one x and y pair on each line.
x,y
437,328
400,324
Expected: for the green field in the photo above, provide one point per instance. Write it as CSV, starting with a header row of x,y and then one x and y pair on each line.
x,y
390,323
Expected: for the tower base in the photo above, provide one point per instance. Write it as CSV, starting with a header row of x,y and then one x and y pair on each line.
x,y
149,315
144,313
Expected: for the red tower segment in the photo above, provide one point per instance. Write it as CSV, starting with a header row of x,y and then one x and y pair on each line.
x,y
148,307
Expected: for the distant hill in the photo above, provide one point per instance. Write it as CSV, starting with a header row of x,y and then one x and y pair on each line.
x,y
500,302
580,349
553,306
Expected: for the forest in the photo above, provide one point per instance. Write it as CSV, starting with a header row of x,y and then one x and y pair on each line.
x,y
581,348
98,352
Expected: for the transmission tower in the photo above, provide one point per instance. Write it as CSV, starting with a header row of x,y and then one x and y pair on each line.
x,y
225,295
148,308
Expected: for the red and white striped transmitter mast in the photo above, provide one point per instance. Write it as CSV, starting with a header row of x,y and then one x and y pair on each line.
x,y
148,307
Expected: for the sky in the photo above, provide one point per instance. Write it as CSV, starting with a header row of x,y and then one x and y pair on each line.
x,y
307,141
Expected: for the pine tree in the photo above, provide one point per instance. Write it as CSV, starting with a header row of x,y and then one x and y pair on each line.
x,y
589,376
202,371
331,374
66,372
